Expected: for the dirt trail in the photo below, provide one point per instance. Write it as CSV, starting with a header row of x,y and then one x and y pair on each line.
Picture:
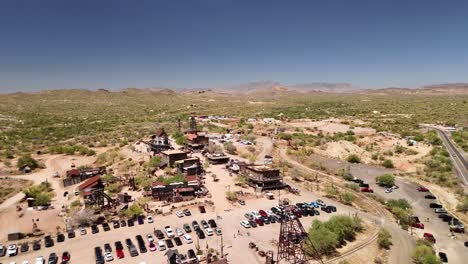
x,y
267,148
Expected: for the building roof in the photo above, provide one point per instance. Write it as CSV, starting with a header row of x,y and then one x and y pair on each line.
x,y
154,184
172,152
261,168
191,136
190,178
184,189
91,182
73,172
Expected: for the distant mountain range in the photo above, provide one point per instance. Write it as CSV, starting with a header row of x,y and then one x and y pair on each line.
x,y
272,88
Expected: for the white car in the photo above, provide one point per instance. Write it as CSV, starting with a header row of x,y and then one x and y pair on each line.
x,y
108,256
256,215
388,190
270,213
188,239
169,231
40,260
25,262
179,214
12,250
179,231
82,231
209,231
149,237
245,223
161,245
321,203
218,231
149,219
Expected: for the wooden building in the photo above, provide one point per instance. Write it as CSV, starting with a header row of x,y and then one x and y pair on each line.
x,y
263,177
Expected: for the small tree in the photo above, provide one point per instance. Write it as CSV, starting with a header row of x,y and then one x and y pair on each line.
x,y
42,199
463,205
27,161
384,239
134,210
348,198
231,196
386,180
230,148
388,164
353,158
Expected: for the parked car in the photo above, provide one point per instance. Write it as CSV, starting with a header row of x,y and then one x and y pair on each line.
x,y
177,241
202,209
188,239
422,189
12,250
459,228
116,224
82,231
429,237
108,256
133,251
245,223
191,254
159,234
367,190
48,241
209,231
24,247
141,220
187,228
259,222
169,243
430,196
200,234
123,223
107,247
66,257
2,250
98,255
37,245
262,213
94,229
443,257
179,232
53,258
187,212
204,224
149,237
252,223
180,214
314,204
249,216
106,227
326,209
418,225
161,245
195,225
212,223
60,237
152,246
71,233
149,218
39,260
440,211
241,202
435,205
130,222
169,231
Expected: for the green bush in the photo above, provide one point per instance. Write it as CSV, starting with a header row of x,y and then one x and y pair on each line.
x,y
353,158
384,239
424,254
386,180
27,161
388,164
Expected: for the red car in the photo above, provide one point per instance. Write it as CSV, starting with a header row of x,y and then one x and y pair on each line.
x,y
429,237
367,189
202,209
152,246
65,257
418,225
263,213
120,253
422,189
259,221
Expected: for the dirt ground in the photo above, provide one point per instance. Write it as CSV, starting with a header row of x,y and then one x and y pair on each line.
x,y
10,186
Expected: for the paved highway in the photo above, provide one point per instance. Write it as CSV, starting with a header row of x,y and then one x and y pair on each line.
x,y
460,162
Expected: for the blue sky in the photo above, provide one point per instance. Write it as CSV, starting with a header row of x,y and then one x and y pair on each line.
x,y
116,44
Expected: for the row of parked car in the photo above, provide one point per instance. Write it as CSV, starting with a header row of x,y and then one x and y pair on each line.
x,y
53,257
278,213
167,239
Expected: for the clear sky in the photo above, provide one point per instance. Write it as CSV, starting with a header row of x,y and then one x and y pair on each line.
x,y
53,44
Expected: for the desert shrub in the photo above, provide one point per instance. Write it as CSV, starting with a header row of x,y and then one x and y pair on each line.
x,y
386,180
384,239
388,164
231,196
423,253
463,204
230,148
353,158
27,161
348,198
